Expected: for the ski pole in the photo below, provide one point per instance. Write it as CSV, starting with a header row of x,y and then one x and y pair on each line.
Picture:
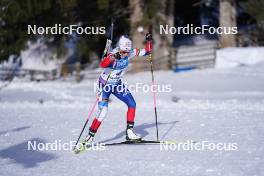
x,y
90,114
154,93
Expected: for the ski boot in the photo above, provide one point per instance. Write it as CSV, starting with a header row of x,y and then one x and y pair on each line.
x,y
131,136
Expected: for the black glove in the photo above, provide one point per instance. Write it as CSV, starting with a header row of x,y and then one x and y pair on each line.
x,y
148,37
117,55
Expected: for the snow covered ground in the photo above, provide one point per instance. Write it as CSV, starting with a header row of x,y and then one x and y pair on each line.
x,y
219,106
238,56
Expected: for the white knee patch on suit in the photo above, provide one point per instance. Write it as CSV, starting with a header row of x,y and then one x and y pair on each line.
x,y
102,113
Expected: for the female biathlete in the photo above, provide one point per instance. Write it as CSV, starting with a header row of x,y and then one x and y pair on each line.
x,y
115,64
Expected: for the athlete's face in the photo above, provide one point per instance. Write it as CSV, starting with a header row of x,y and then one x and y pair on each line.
x,y
123,54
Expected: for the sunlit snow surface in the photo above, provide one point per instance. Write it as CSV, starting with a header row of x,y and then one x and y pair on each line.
x,y
224,105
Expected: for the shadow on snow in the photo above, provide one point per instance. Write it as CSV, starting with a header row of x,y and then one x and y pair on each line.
x,y
14,130
142,130
20,154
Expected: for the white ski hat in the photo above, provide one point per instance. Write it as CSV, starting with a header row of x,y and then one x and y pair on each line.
x,y
124,44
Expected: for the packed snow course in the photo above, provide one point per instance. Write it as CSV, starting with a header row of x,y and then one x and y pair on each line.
x,y
215,105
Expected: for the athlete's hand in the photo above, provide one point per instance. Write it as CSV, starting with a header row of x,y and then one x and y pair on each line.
x,y
112,57
148,37
117,56
148,46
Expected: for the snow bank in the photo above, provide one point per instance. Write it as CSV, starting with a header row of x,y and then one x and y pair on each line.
x,y
233,57
13,62
39,57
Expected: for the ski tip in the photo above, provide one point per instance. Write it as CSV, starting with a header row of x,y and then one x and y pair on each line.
x,y
167,142
76,152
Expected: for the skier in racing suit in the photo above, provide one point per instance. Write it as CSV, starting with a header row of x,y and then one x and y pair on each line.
x,y
115,64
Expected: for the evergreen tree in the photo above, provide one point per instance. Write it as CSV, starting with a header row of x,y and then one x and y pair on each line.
x,y
16,15
256,9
